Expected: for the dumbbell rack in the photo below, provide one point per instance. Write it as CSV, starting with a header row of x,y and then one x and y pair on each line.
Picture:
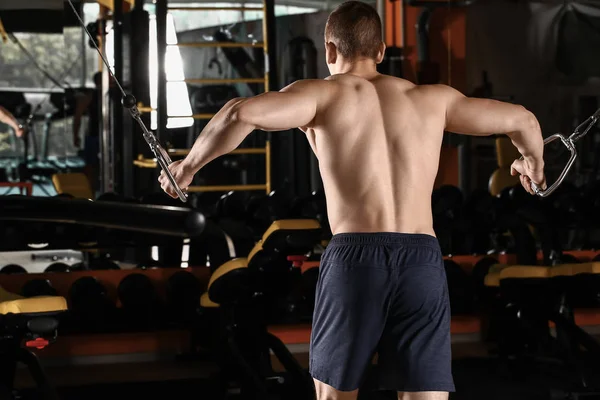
x,y
143,162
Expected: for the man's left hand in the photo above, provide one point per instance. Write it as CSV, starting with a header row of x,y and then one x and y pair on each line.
x,y
182,176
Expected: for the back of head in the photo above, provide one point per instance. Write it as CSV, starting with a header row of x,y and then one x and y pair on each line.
x,y
356,30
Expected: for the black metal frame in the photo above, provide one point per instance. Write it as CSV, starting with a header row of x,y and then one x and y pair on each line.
x,y
117,115
14,329
161,38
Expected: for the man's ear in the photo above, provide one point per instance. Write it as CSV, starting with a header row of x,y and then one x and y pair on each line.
x,y
331,51
381,53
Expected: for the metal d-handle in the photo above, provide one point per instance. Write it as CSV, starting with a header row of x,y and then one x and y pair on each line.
x,y
568,142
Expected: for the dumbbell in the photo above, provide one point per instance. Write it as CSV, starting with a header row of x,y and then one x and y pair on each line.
x,y
232,206
58,267
91,309
558,258
38,235
161,199
79,266
110,196
103,264
460,288
65,196
183,291
12,235
38,287
482,212
13,269
150,264
141,305
569,259
262,210
313,207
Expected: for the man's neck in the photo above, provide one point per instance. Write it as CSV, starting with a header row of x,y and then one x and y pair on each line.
x,y
364,68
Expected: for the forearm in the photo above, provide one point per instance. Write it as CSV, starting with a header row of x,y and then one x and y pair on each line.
x,y
223,134
528,140
7,118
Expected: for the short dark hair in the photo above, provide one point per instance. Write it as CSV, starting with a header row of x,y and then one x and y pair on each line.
x,y
356,28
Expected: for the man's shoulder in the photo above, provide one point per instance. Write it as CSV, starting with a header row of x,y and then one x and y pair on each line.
x,y
436,88
307,84
434,92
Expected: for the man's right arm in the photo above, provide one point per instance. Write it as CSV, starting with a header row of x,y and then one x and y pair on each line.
x,y
7,118
485,117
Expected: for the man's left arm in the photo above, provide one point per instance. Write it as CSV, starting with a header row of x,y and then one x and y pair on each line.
x,y
292,107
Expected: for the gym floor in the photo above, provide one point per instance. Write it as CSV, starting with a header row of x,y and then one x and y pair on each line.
x,y
477,376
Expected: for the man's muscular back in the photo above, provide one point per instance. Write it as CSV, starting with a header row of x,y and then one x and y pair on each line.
x,y
378,143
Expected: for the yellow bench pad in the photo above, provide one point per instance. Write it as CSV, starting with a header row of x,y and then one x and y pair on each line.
x,y
499,272
206,302
284,225
575,269
34,305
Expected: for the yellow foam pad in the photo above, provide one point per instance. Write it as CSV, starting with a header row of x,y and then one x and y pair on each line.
x,y
500,180
506,152
73,183
33,305
257,247
575,269
284,225
492,279
229,266
291,225
206,302
525,272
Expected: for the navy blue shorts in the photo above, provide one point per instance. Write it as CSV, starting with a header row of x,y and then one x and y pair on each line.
x,y
384,294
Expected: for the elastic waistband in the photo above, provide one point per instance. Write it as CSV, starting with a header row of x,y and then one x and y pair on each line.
x,y
383,238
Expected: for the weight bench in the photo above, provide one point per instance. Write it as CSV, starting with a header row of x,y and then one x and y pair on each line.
x,y
242,291
27,323
534,297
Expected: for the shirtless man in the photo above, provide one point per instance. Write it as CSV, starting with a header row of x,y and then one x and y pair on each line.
x,y
382,286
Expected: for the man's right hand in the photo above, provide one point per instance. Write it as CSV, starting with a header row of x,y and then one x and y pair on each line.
x,y
20,131
529,172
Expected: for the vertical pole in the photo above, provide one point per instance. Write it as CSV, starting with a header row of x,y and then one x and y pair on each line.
x,y
84,45
117,108
464,165
139,179
265,27
270,45
268,166
271,81
161,38
106,153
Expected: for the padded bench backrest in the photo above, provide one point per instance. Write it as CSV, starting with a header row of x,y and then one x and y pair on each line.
x,y
75,184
